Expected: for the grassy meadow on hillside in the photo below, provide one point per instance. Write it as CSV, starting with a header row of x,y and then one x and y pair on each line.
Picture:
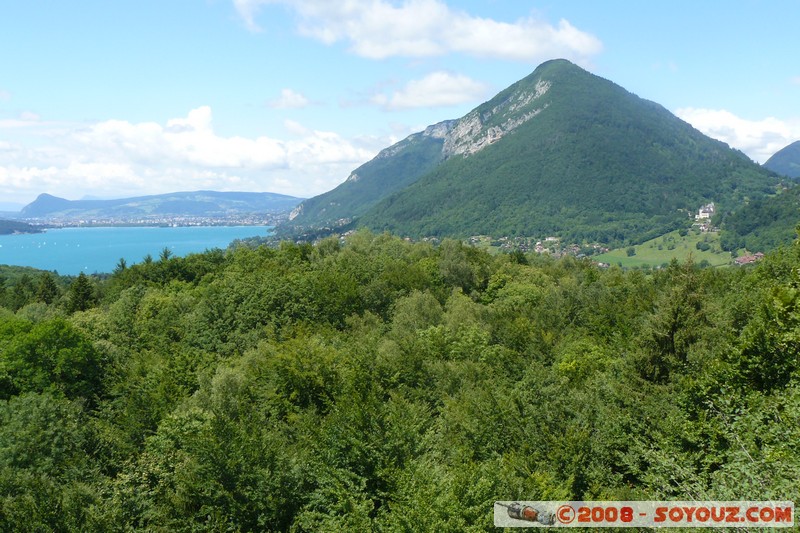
x,y
661,250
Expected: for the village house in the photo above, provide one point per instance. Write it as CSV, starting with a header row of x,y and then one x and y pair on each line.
x,y
706,212
747,259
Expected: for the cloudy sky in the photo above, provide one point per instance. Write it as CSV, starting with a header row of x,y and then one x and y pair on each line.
x,y
117,98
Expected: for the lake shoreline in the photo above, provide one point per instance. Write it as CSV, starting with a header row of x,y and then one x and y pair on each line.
x,y
91,250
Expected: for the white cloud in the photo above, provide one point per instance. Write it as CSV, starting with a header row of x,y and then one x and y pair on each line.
x,y
8,123
289,99
4,96
796,80
119,158
434,90
759,139
29,116
295,128
26,119
379,29
247,10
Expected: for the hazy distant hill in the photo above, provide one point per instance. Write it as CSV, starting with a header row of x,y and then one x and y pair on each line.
x,y
560,152
786,161
197,203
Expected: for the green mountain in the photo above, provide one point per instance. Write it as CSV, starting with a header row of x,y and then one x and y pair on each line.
x,y
786,161
561,152
197,203
392,169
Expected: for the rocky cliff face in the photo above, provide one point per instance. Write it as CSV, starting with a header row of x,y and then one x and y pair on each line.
x,y
441,130
404,162
479,129
296,212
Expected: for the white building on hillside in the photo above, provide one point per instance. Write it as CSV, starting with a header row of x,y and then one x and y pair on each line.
x,y
707,211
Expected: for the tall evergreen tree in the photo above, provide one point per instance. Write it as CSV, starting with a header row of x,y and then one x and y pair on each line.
x,y
22,293
81,294
47,290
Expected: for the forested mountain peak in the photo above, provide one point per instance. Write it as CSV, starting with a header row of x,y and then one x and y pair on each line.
x,y
560,152
44,203
402,163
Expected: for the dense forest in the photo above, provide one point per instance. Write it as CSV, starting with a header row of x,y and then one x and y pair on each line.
x,y
763,223
379,384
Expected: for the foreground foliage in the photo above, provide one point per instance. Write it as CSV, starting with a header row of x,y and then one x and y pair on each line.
x,y
384,385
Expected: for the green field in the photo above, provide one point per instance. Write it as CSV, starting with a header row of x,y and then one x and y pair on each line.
x,y
670,246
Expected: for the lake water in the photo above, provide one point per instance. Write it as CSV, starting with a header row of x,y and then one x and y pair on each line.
x,y
90,250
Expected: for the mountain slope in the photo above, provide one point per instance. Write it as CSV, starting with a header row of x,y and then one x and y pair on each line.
x,y
391,170
786,161
198,203
566,152
763,224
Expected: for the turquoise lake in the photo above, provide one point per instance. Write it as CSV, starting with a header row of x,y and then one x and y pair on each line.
x,y
90,250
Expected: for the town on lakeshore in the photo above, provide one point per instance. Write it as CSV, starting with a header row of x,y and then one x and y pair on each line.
x,y
252,219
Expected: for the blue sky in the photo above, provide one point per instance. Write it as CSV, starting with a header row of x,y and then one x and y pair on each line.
x,y
120,98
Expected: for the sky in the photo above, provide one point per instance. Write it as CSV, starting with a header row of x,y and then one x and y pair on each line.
x,y
109,99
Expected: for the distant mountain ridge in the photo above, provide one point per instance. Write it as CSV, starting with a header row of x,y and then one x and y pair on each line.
x,y
786,161
196,204
561,152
